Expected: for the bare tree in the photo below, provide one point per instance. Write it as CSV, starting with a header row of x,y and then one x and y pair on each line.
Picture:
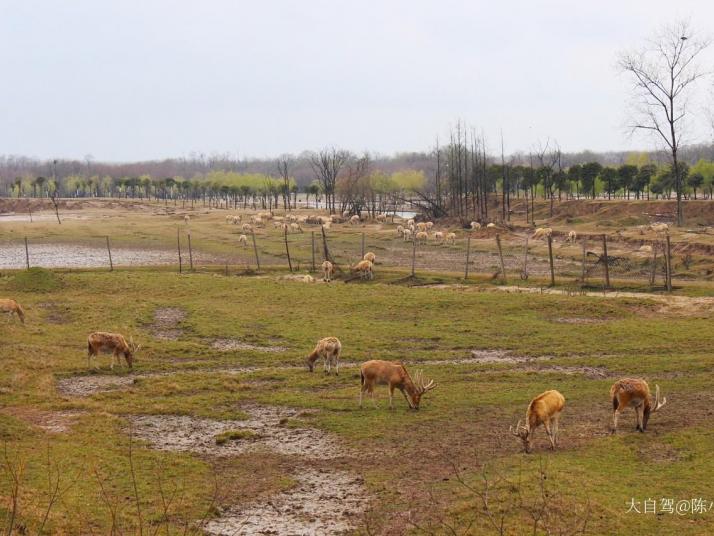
x,y
664,74
326,165
284,164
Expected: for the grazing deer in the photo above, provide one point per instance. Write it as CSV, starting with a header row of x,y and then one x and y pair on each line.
x,y
395,375
327,270
12,307
329,350
635,393
544,409
475,226
364,269
101,341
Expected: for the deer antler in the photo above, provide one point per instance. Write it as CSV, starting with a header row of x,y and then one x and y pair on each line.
x,y
420,383
658,403
518,432
515,432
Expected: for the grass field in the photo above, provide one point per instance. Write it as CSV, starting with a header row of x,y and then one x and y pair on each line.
x,y
219,417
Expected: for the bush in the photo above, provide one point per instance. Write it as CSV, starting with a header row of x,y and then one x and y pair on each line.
x,y
35,280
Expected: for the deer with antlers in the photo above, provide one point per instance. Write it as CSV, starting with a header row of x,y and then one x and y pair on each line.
x,y
544,409
394,375
634,393
101,341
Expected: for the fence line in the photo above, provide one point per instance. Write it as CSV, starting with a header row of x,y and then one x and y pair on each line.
x,y
490,255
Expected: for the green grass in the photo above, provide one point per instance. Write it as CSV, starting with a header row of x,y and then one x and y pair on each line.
x,y
464,421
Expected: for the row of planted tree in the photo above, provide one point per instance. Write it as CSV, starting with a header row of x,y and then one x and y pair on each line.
x,y
462,179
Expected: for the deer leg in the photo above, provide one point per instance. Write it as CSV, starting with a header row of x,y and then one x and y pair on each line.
x,y
391,396
374,402
337,366
640,414
556,418
549,433
114,358
615,415
361,393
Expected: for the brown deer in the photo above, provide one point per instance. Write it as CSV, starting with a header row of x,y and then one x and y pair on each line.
x,y
101,341
329,350
635,393
395,375
12,307
544,409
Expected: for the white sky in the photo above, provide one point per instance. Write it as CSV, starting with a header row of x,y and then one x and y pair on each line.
x,y
144,79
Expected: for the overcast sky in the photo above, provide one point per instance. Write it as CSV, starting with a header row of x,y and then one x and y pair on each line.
x,y
144,79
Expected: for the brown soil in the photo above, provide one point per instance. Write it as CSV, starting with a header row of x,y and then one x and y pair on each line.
x,y
56,313
55,422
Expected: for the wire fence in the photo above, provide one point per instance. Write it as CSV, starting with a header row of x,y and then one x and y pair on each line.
x,y
505,255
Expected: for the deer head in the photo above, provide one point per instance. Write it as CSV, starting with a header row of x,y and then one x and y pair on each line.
x,y
421,386
523,433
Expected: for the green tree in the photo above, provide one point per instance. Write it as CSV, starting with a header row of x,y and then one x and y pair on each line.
x,y
626,177
589,173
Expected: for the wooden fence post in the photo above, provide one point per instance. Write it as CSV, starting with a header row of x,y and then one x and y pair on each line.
x,y
550,259
313,250
190,251
669,264
500,255
607,265
524,273
413,254
287,249
653,272
27,254
109,250
255,250
178,245
584,274
468,254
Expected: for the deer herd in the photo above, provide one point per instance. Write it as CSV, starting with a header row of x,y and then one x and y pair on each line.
x,y
545,409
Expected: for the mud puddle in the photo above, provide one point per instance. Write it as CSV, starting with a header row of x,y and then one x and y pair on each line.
x,y
498,356
88,385
166,323
322,502
227,345
268,425
81,256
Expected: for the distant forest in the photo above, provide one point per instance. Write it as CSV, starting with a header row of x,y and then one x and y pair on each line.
x,y
454,179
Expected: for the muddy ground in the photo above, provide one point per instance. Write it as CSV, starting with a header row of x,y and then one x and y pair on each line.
x,y
81,256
